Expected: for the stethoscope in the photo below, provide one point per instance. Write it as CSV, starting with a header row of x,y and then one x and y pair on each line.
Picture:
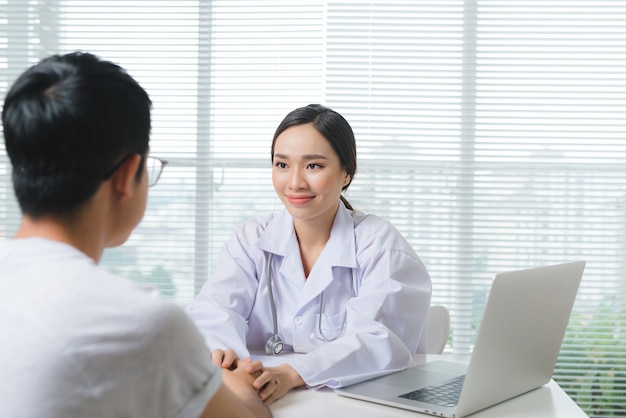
x,y
274,344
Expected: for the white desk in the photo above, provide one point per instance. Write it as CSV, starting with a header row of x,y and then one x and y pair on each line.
x,y
548,401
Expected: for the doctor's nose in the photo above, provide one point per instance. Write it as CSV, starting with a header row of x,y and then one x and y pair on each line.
x,y
297,180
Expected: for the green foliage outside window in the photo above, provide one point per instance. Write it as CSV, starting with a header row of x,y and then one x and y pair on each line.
x,y
157,277
599,384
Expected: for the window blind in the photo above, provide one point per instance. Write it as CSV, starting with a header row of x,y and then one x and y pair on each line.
x,y
491,133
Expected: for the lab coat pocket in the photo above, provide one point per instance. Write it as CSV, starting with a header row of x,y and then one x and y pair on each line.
x,y
330,327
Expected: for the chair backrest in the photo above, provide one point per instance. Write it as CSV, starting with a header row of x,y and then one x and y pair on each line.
x,y
438,329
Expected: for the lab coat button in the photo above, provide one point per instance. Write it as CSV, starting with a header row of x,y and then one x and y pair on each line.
x,y
298,320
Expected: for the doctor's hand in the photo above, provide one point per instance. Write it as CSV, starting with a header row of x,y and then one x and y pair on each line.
x,y
226,359
274,382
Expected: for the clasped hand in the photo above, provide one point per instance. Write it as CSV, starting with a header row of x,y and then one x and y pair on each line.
x,y
271,383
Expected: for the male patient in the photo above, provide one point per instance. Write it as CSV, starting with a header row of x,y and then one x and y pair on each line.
x,y
76,341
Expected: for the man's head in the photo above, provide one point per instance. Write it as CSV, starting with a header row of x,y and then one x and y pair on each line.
x,y
68,122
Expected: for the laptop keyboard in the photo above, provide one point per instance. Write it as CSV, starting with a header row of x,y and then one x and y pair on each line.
x,y
443,394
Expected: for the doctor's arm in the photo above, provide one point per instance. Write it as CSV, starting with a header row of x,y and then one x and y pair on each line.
x,y
385,323
223,305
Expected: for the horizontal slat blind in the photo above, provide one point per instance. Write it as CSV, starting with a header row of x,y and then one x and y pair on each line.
x,y
549,174
491,133
159,44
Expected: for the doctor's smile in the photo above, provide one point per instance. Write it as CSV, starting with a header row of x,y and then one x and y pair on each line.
x,y
299,200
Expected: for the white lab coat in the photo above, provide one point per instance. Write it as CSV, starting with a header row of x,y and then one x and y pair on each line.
x,y
380,322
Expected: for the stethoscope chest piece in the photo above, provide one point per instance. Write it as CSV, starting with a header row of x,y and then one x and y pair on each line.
x,y
274,345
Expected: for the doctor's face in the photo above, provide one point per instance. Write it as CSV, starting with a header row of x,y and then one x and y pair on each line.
x,y
307,174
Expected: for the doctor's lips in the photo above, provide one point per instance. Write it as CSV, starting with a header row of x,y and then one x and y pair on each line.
x,y
299,199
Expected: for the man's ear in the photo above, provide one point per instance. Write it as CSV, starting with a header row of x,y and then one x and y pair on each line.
x,y
125,178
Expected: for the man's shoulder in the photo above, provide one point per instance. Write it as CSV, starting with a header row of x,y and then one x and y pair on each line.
x,y
94,338
74,296
98,354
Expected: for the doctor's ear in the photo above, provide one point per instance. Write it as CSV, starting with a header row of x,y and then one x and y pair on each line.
x,y
346,180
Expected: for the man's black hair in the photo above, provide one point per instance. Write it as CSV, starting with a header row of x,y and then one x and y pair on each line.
x,y
67,120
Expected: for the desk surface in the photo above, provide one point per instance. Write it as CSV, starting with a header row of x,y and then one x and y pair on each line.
x,y
548,401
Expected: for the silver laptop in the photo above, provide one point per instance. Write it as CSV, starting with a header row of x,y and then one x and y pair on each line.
x,y
516,349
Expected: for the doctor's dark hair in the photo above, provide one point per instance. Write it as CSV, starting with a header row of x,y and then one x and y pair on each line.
x,y
67,122
334,127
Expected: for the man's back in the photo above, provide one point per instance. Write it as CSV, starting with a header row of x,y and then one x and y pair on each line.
x,y
76,341
81,342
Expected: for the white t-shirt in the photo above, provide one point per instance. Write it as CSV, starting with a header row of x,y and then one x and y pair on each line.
x,y
77,341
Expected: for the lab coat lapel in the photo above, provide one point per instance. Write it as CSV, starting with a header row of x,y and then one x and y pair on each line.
x,y
338,252
319,278
342,240
279,238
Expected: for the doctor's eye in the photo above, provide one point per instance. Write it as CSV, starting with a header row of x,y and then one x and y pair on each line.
x,y
280,165
313,166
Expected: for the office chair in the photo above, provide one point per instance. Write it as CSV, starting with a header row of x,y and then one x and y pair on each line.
x,y
438,329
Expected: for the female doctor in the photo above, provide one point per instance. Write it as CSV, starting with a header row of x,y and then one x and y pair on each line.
x,y
320,278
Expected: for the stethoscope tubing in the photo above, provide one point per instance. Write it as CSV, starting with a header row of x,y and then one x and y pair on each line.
x,y
275,339
271,294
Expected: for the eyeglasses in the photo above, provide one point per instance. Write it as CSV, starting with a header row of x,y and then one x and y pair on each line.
x,y
154,166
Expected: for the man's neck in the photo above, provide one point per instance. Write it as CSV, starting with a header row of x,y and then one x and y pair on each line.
x,y
82,235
